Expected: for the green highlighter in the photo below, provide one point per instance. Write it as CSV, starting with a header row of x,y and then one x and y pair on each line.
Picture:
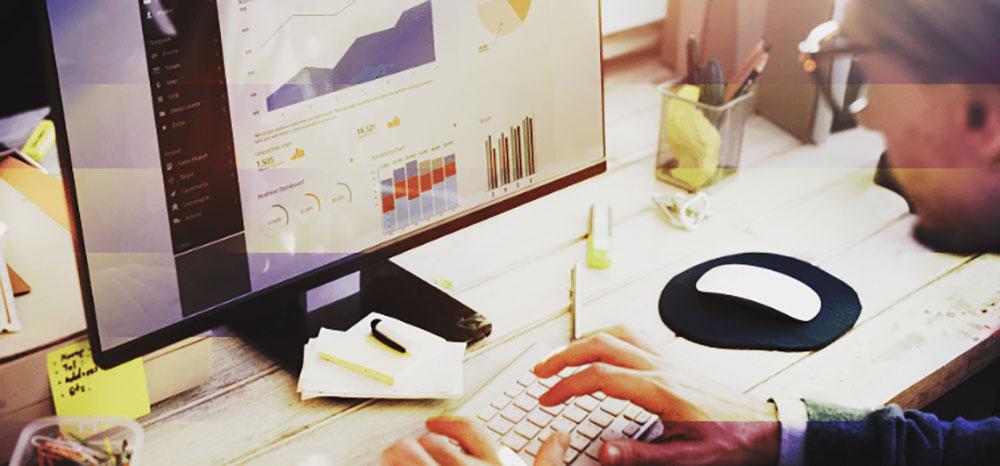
x,y
599,238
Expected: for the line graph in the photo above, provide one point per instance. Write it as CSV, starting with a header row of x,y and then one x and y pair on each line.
x,y
406,45
305,15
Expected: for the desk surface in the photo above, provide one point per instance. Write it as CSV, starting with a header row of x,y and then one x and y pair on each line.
x,y
930,320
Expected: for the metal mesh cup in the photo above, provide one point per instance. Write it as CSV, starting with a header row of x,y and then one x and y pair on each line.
x,y
699,144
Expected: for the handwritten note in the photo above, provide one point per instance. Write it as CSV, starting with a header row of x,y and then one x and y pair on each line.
x,y
80,388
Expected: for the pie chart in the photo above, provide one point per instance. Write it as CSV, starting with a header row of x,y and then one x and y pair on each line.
x,y
502,17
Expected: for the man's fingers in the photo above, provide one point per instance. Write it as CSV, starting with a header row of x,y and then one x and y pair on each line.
x,y
443,452
630,452
641,388
553,450
469,435
602,347
632,337
405,453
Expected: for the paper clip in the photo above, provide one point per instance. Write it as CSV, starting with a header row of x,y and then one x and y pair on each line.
x,y
684,211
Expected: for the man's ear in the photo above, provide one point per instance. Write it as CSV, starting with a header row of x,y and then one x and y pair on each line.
x,y
984,122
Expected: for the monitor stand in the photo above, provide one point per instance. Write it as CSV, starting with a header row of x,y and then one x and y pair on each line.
x,y
280,330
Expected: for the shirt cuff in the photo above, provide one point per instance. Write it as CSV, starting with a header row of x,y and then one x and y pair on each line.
x,y
794,418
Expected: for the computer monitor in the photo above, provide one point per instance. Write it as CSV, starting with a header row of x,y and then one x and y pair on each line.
x,y
222,156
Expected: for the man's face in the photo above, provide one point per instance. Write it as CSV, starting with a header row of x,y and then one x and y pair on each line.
x,y
946,171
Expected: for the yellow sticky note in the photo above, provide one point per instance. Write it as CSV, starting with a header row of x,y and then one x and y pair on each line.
x,y
80,388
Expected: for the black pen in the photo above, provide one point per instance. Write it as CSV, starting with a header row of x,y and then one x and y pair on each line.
x,y
385,339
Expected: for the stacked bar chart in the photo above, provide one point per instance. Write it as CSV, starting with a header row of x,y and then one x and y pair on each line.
x,y
510,157
417,192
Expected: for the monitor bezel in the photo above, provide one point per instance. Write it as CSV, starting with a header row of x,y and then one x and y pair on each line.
x,y
288,289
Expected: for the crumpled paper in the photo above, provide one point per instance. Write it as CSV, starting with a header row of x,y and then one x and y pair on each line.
x,y
694,142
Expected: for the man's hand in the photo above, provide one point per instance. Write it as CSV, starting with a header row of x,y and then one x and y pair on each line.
x,y
703,424
475,448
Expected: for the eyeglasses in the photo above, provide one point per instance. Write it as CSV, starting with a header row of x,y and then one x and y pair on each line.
x,y
828,58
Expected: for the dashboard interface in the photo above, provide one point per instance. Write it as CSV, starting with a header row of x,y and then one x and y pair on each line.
x,y
220,147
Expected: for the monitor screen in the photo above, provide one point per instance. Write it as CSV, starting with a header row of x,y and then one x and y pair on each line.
x,y
219,148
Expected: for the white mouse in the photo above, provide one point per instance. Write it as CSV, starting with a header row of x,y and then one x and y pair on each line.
x,y
765,287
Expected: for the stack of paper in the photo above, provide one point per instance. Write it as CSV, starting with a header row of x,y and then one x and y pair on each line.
x,y
353,364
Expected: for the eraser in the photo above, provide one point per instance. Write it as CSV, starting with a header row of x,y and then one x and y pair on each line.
x,y
41,141
599,237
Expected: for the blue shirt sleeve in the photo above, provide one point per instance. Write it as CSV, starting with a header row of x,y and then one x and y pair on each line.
x,y
893,437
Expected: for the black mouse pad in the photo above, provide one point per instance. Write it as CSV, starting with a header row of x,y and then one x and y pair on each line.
x,y
726,322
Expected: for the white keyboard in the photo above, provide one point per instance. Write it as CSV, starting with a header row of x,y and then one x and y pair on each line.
x,y
508,407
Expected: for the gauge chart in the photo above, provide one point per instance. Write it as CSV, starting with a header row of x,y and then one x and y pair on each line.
x,y
502,17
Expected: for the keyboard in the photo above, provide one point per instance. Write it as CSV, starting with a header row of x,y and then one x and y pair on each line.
x,y
509,410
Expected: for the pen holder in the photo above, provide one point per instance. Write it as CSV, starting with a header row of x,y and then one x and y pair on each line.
x,y
699,144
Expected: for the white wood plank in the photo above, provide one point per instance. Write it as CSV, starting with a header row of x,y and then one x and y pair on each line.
x,y
945,326
871,267
358,437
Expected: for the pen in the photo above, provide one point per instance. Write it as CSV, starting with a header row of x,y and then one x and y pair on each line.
x,y
386,340
754,75
575,301
746,70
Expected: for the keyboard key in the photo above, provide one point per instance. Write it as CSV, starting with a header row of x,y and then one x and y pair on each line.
x,y
589,430
487,414
615,430
578,442
563,425
539,418
632,411
527,430
594,450
536,390
575,414
545,433
513,414
585,460
601,418
526,379
513,391
550,382
599,395
500,425
514,442
501,402
526,402
553,410
631,429
642,417
533,447
570,455
525,457
587,403
613,406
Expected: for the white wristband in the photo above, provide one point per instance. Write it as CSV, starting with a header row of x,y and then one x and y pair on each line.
x,y
794,418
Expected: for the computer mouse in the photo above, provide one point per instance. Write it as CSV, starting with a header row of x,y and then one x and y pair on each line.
x,y
765,287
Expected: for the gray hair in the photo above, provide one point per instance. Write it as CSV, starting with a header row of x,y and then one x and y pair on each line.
x,y
944,41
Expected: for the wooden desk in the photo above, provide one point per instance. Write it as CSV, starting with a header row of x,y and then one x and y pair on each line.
x,y
930,320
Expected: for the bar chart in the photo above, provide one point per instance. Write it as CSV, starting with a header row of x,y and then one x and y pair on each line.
x,y
418,191
510,157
